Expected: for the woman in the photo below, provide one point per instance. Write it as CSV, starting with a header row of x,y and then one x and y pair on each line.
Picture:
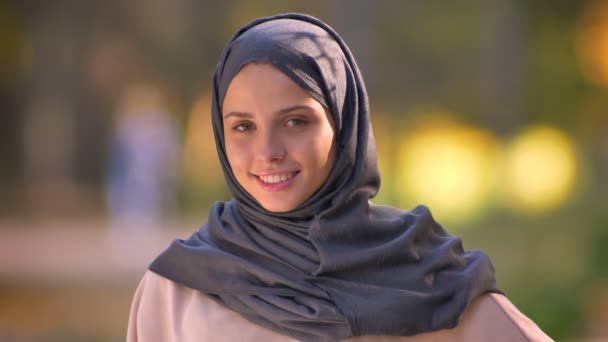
x,y
300,252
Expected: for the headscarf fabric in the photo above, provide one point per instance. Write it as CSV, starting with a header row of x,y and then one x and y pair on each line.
x,y
337,266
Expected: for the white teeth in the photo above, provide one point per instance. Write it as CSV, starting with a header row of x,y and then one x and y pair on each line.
x,y
277,178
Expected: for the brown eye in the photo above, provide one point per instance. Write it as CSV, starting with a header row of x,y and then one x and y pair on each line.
x,y
295,122
243,127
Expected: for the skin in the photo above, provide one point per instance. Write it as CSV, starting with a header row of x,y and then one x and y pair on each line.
x,y
279,140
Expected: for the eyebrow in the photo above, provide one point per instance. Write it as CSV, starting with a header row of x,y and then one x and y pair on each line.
x,y
238,115
294,108
280,111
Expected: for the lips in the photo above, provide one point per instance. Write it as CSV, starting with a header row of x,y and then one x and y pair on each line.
x,y
277,178
276,181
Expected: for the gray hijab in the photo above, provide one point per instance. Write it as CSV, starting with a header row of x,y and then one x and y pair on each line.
x,y
337,266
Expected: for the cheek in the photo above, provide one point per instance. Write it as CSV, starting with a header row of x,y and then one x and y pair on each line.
x,y
326,145
318,150
236,154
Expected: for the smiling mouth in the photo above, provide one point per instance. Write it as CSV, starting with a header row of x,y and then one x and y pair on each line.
x,y
277,178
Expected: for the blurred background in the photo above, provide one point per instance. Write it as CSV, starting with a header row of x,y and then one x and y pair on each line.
x,y
493,113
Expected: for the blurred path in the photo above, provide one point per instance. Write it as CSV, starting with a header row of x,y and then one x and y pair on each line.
x,y
67,252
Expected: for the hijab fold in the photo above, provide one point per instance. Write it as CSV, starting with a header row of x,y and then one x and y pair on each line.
x,y
337,266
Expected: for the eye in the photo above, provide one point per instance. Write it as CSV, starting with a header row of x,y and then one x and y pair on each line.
x,y
243,126
296,122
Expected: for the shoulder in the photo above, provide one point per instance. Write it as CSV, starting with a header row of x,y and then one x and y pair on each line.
x,y
153,310
499,307
494,316
163,310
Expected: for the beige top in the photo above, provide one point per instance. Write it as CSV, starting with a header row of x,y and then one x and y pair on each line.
x,y
163,310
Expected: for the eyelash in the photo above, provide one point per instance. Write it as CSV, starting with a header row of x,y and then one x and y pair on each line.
x,y
243,126
301,122
246,126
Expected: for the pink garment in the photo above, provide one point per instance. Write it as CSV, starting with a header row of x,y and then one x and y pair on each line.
x,y
163,310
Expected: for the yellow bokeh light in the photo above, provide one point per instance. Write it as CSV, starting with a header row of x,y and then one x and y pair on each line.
x,y
540,169
450,167
201,165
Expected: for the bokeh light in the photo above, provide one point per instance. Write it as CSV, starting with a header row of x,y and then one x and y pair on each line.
x,y
541,167
201,164
450,167
592,42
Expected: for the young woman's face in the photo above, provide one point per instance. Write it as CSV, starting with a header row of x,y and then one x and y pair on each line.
x,y
278,139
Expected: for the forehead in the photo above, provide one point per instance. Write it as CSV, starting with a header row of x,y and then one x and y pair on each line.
x,y
264,85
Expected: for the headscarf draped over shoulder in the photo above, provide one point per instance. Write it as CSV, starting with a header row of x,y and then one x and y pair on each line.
x,y
337,266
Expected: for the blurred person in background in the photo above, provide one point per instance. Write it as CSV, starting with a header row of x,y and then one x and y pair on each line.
x,y
301,253
142,174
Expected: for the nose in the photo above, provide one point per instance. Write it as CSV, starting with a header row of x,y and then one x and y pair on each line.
x,y
269,146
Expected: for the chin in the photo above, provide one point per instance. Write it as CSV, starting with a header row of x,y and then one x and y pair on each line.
x,y
278,206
